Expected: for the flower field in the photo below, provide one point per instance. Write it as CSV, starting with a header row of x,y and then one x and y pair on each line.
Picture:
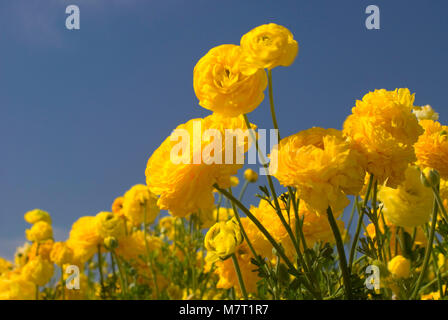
x,y
357,213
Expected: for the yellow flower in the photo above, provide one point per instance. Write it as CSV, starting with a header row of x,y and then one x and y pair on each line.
x,y
268,46
221,86
61,254
425,113
21,255
399,267
321,165
5,266
16,288
40,231
41,249
37,215
136,201
187,187
234,181
384,129
133,245
225,269
109,225
117,206
432,147
222,239
410,204
250,175
433,295
84,238
39,271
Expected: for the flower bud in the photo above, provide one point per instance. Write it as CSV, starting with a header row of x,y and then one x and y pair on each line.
x,y
250,175
111,243
430,178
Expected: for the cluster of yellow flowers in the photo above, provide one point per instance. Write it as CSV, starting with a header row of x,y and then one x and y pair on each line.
x,y
390,152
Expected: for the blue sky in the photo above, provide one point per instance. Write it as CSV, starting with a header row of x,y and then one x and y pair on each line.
x,y
82,111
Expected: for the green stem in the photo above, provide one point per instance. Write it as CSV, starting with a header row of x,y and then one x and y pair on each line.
x,y
271,103
62,283
243,190
240,277
100,270
350,220
149,260
427,252
358,227
120,273
341,253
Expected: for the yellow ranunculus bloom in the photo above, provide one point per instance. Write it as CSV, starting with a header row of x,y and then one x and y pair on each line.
x,y
61,254
425,113
399,267
84,238
136,201
221,86
187,187
5,266
37,215
42,249
117,206
268,46
222,239
432,147
40,231
321,165
39,271
16,288
109,225
410,204
234,181
384,129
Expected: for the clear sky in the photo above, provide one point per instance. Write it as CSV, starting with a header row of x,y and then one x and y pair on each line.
x,y
81,111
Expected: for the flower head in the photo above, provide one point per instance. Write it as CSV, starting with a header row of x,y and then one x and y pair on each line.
x,y
399,267
84,238
138,201
61,254
37,215
410,204
117,206
268,46
39,271
432,147
186,186
321,164
250,175
222,239
425,113
40,231
383,128
110,225
221,86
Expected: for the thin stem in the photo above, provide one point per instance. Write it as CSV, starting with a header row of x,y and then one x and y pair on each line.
x,y
243,190
271,103
100,269
360,221
350,220
62,283
149,260
427,252
240,277
120,273
341,253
